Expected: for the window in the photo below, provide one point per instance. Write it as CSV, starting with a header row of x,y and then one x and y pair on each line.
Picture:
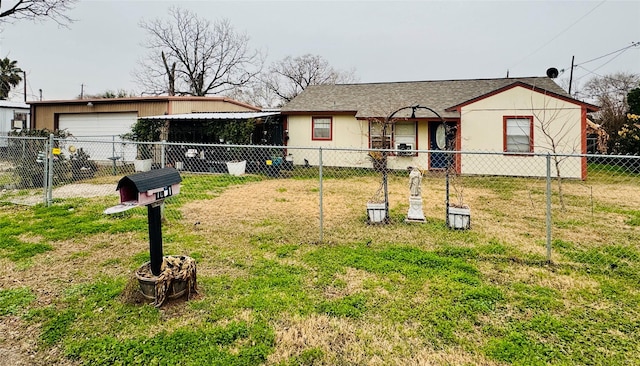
x,y
404,137
402,134
322,128
518,134
376,138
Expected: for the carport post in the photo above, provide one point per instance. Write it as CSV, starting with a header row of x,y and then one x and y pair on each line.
x,y
154,213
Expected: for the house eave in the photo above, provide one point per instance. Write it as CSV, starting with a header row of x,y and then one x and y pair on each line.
x,y
589,107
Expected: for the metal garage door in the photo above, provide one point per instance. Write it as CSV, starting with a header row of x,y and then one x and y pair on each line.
x,y
105,127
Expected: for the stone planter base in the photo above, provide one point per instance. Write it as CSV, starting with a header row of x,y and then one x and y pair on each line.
x,y
460,218
415,213
376,212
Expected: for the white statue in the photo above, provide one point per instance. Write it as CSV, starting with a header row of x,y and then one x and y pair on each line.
x,y
415,213
415,182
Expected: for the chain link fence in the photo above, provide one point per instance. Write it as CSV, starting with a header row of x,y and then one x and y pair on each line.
x,y
578,210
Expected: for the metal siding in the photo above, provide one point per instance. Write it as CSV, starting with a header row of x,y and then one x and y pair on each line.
x,y
45,114
180,107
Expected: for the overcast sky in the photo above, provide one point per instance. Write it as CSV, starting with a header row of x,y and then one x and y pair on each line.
x,y
381,40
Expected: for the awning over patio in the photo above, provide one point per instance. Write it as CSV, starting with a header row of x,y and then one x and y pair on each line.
x,y
211,116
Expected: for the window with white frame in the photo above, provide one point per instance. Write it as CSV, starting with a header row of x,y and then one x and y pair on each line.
x,y
518,134
401,134
379,139
322,128
405,137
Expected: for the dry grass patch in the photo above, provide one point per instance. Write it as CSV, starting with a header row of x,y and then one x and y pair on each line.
x,y
358,342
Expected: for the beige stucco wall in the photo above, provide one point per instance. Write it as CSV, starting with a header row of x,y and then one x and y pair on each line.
x,y
482,130
348,133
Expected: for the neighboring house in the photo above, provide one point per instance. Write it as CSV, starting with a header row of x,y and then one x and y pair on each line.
x,y
107,119
14,116
513,116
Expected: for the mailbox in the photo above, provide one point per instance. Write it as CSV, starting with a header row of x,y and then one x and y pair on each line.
x,y
145,188
149,189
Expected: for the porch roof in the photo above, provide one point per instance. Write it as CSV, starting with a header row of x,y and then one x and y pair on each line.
x,y
211,116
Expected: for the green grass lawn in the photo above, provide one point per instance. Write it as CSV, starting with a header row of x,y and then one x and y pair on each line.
x,y
270,293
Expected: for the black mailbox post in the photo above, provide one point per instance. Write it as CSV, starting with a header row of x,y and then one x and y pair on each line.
x,y
149,189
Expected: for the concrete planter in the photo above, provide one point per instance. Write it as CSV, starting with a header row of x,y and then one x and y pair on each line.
x,y
237,168
376,212
459,218
143,165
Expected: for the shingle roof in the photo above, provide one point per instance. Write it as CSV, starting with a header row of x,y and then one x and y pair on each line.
x,y
379,99
157,178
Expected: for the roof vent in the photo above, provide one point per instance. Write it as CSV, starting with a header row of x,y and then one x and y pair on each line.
x,y
552,72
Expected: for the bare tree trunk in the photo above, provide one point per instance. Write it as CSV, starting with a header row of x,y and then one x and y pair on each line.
x,y
171,74
556,162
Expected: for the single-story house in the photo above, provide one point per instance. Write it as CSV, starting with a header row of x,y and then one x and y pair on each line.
x,y
512,116
14,116
109,118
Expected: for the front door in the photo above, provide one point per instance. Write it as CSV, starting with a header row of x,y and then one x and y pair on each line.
x,y
440,140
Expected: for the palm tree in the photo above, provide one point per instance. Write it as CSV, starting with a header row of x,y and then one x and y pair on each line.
x,y
9,76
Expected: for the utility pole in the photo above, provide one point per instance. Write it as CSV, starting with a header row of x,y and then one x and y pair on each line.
x,y
24,80
82,91
571,74
40,90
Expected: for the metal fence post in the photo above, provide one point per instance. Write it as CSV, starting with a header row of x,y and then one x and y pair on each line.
x,y
548,208
50,177
320,190
45,169
163,154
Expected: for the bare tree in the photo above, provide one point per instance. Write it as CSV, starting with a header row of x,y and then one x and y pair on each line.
x,y
36,10
555,125
290,76
108,94
189,55
610,93
255,93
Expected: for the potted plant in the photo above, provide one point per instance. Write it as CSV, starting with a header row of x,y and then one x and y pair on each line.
x,y
81,166
458,212
377,207
143,131
378,159
143,160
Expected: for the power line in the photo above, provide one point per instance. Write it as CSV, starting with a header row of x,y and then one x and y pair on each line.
x,y
617,53
559,34
633,44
